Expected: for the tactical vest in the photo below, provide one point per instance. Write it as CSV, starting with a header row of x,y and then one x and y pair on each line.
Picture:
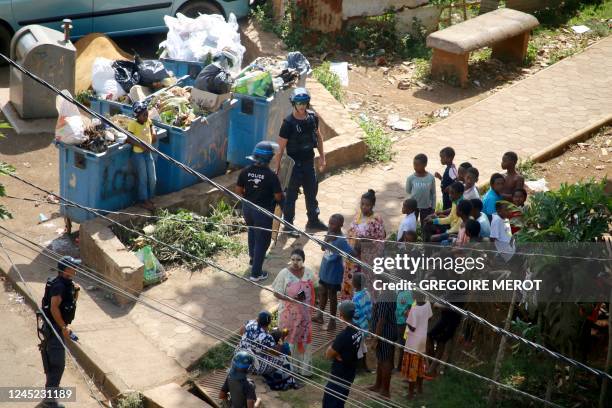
x,y
236,390
67,306
303,140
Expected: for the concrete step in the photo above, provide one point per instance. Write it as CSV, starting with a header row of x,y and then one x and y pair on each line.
x,y
172,396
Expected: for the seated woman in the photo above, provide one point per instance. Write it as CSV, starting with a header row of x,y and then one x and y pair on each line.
x,y
257,339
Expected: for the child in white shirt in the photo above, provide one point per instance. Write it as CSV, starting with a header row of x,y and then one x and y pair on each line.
x,y
413,366
409,223
501,233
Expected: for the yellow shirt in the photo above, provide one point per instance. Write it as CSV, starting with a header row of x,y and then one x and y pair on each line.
x,y
141,131
453,220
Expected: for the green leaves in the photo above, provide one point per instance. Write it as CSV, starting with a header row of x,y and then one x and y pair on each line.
x,y
329,80
378,142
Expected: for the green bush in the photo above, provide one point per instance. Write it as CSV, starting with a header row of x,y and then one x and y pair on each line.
x,y
329,80
378,142
218,357
131,400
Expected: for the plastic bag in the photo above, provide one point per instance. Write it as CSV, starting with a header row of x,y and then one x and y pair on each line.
x,y
153,271
151,71
297,60
194,39
255,83
103,79
214,79
69,128
126,73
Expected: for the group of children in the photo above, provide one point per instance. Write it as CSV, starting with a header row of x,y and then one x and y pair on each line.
x,y
465,217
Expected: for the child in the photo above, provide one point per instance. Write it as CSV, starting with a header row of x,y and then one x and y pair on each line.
x,y
452,222
142,128
464,209
518,199
501,233
471,178
331,271
279,337
493,195
413,365
402,307
450,175
483,220
421,186
363,314
512,179
462,171
472,230
409,222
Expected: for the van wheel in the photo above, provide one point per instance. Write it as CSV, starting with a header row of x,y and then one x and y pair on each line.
x,y
5,43
195,8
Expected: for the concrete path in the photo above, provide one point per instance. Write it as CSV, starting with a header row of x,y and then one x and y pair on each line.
x,y
146,350
527,117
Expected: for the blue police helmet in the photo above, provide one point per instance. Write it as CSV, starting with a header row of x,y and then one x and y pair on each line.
x,y
138,108
242,360
263,152
300,95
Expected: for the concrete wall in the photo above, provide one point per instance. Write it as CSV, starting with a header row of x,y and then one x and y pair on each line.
x,y
356,8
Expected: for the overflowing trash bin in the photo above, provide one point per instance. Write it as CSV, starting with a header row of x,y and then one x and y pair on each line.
x,y
262,90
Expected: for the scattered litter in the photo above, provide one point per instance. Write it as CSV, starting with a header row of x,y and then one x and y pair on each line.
x,y
27,165
42,218
340,69
599,167
397,123
572,158
537,186
354,105
442,112
52,199
149,229
60,231
604,151
583,144
14,297
387,168
580,29
377,95
404,83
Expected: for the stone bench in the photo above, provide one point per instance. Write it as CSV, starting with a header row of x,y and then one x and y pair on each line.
x,y
506,30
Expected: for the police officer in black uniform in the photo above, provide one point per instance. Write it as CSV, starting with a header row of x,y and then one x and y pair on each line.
x,y
300,135
59,306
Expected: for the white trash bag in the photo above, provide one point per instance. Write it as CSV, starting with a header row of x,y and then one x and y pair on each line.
x,y
103,79
69,128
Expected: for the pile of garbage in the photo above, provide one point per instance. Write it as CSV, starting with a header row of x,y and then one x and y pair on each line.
x,y
99,137
174,107
118,80
198,39
266,75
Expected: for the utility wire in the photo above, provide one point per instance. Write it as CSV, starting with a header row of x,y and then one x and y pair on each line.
x,y
409,349
323,243
438,299
323,234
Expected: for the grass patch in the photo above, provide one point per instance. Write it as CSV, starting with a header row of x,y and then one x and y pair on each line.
x,y
218,357
481,55
329,80
131,400
528,169
377,141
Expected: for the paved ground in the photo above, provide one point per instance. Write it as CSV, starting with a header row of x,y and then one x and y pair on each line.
x,y
145,349
19,355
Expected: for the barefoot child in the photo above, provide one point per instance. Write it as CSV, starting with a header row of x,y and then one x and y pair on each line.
x,y
331,271
421,186
447,155
142,128
512,179
413,365
409,222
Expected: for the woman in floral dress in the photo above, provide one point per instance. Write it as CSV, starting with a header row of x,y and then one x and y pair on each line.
x,y
295,286
365,225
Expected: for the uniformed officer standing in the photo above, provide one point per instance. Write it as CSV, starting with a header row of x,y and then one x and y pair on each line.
x,y
300,135
59,306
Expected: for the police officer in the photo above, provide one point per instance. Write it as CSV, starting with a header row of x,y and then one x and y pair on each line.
x,y
258,184
241,390
59,306
300,135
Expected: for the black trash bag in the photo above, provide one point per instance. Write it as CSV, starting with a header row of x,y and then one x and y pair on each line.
x,y
297,60
214,79
126,73
151,71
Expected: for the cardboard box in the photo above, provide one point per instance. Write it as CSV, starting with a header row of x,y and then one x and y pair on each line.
x,y
207,100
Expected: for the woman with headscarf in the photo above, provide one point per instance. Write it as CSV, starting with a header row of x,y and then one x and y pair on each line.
x,y
366,227
294,287
271,363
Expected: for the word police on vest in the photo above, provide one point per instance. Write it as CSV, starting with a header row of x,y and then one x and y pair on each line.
x,y
413,264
